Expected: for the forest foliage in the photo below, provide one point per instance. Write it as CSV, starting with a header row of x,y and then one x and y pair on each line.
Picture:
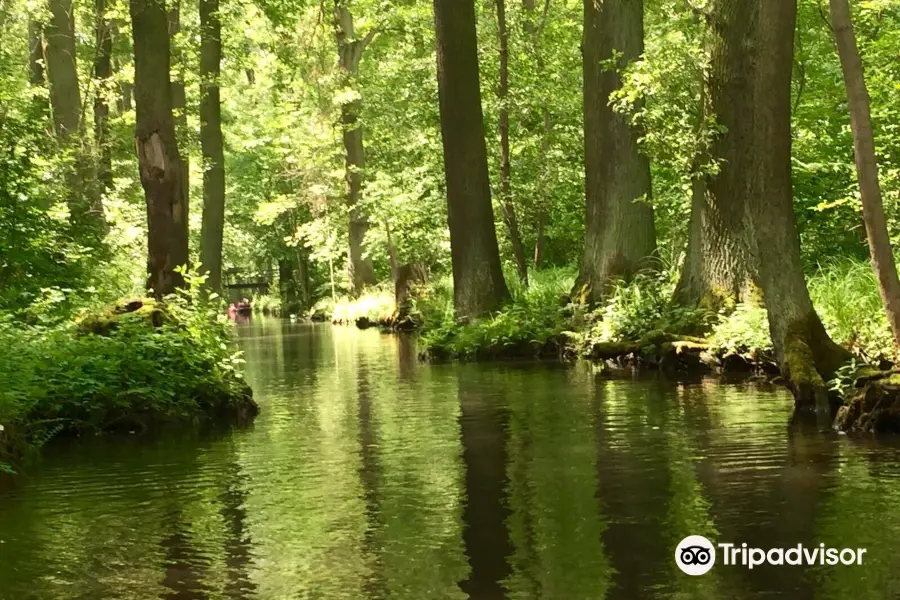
x,y
331,128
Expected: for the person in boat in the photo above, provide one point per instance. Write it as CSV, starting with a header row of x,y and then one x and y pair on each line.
x,y
232,311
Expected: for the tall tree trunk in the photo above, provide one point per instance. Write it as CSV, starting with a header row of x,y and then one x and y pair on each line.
x,y
350,52
35,53
805,353
866,165
507,206
65,95
478,285
85,207
157,148
542,199
103,73
179,96
533,32
719,269
619,231
211,144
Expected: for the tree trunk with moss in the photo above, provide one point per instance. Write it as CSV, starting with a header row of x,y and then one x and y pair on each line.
x,y
806,354
350,51
157,149
719,268
211,144
507,206
866,165
620,236
478,284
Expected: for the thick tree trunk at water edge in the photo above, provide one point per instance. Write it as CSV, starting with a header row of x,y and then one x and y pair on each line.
x,y
619,231
806,355
867,166
211,144
719,269
157,149
478,285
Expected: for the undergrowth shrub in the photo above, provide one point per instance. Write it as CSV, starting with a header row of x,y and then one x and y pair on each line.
x,y
533,318
168,361
376,305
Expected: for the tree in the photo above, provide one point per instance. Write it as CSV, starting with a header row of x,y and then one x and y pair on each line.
x,y
719,269
534,31
478,285
507,207
866,165
157,149
103,40
619,231
85,207
211,144
179,90
806,354
350,51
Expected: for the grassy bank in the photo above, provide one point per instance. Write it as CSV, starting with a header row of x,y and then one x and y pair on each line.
x,y
131,366
641,315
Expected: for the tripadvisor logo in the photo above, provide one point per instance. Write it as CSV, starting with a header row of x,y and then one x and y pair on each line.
x,y
696,555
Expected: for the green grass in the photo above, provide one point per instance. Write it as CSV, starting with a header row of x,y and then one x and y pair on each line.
x,y
845,294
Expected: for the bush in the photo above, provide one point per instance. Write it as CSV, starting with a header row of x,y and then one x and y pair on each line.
x,y
644,305
525,326
376,305
129,366
744,330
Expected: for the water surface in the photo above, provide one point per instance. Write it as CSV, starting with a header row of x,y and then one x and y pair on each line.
x,y
371,475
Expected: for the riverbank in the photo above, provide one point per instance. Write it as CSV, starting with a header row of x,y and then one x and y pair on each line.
x,y
133,366
641,326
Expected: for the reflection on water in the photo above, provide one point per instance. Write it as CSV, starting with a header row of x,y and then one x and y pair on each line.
x,y
369,475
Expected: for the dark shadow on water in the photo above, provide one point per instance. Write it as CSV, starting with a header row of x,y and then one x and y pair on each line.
x,y
482,423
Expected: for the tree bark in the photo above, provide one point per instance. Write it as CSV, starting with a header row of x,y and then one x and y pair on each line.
x,y
35,53
542,199
157,148
806,354
866,165
179,95
620,235
478,285
350,50
85,205
533,32
719,269
211,144
65,95
507,206
102,72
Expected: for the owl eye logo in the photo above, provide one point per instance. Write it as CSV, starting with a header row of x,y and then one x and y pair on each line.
x,y
695,555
